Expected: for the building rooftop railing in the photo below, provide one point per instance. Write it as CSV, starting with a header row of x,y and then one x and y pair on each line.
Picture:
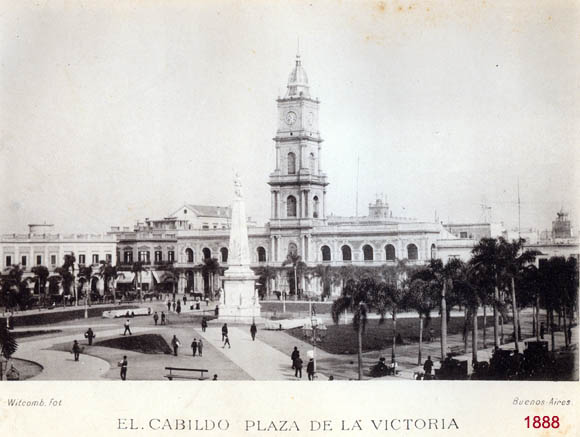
x,y
57,237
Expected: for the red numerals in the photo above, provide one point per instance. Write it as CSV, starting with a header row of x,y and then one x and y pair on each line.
x,y
542,422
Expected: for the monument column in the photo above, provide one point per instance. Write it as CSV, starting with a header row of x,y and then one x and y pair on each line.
x,y
239,280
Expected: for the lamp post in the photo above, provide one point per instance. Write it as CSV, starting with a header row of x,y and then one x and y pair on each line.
x,y
314,323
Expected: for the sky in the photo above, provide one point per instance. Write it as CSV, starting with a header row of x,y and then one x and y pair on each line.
x,y
111,112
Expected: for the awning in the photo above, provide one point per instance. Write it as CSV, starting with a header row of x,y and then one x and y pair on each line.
x,y
125,278
145,277
155,275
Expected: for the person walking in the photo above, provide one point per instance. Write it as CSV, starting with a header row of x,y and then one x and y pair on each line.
x,y
184,299
226,341
298,367
89,335
173,305
224,331
155,317
162,318
194,346
428,367
178,307
200,347
123,365
295,354
76,350
175,343
127,327
168,305
253,330
203,324
310,369
542,330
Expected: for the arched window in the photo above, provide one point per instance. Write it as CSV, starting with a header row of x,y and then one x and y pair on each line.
x,y
312,164
412,253
316,206
292,249
206,253
367,252
224,254
390,253
189,255
291,206
325,253
433,251
346,253
261,254
291,163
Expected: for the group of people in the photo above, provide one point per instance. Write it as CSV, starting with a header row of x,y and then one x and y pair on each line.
x,y
297,364
156,318
176,305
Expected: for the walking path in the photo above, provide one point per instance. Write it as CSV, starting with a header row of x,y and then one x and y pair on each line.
x,y
59,365
260,360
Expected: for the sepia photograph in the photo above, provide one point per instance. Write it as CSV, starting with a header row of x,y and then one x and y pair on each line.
x,y
378,193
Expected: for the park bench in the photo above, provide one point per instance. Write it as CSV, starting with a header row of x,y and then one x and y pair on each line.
x,y
173,375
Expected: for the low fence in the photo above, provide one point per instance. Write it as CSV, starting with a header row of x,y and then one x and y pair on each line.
x,y
47,317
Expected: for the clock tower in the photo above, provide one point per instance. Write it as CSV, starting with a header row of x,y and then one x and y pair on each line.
x,y
297,184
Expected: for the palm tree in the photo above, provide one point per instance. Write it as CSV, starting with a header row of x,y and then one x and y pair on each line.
x,y
85,274
513,260
69,281
266,274
442,277
109,273
8,344
422,299
356,297
41,274
396,294
297,266
328,277
137,268
486,256
11,285
210,268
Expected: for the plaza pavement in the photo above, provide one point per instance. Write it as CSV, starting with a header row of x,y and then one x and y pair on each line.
x,y
267,358
260,360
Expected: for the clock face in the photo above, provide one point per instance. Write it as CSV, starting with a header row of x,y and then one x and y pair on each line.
x,y
290,118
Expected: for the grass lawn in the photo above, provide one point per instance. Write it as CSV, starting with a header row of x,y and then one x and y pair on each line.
x,y
22,334
342,339
146,344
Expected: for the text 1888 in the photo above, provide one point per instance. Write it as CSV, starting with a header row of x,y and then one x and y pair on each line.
x,y
542,422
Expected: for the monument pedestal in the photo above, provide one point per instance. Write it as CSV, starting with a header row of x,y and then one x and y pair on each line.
x,y
240,300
